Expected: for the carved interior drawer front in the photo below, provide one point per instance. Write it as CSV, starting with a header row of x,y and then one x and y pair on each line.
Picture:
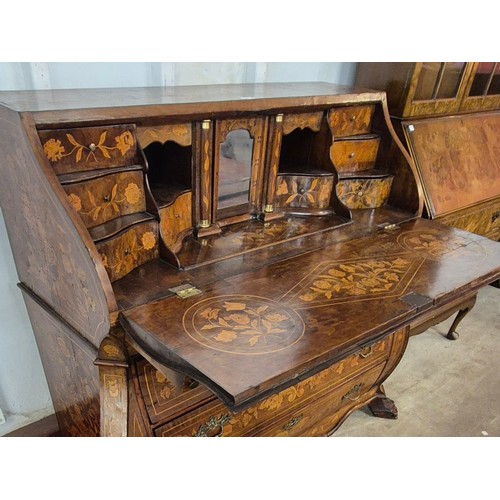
x,y
354,155
105,198
129,249
89,148
306,191
352,120
175,220
364,193
270,415
167,395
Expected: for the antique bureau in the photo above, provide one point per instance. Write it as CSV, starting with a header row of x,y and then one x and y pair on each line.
x,y
235,260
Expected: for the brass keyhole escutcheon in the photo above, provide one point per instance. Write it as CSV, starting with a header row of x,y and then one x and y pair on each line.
x,y
127,251
359,193
107,197
302,190
214,427
292,423
352,155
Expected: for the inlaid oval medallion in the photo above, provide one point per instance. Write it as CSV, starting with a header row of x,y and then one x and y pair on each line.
x,y
435,244
243,324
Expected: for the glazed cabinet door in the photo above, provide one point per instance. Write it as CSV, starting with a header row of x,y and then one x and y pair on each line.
x,y
483,87
436,88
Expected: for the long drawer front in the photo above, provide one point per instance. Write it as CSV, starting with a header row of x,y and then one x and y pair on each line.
x,y
293,410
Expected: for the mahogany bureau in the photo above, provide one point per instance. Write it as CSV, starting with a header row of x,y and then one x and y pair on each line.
x,y
222,260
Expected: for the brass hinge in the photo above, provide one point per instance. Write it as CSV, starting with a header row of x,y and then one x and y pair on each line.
x,y
185,291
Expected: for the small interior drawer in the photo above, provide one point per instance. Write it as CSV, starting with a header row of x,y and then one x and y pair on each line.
x,y
354,155
130,249
89,148
350,120
107,197
304,190
364,193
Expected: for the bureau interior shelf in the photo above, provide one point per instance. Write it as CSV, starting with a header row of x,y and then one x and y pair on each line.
x,y
88,175
166,194
363,174
118,225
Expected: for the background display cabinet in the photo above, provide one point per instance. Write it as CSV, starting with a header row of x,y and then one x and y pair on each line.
x,y
232,260
447,114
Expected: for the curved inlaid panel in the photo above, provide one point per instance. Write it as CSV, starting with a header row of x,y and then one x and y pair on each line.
x,y
436,245
243,324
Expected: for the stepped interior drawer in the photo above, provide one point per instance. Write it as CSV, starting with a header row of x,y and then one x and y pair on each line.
x,y
354,155
106,197
364,193
89,148
304,190
350,120
133,247
289,412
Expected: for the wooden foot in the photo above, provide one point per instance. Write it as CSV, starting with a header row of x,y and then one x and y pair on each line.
x,y
452,334
383,407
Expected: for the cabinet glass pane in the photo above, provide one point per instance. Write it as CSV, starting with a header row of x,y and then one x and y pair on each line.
x,y
486,79
439,80
452,75
427,81
234,169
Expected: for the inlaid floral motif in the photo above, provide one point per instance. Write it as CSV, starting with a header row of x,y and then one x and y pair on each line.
x,y
356,279
315,193
269,232
165,386
243,324
364,193
109,207
55,151
435,245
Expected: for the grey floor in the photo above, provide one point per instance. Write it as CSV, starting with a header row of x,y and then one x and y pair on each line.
x,y
442,387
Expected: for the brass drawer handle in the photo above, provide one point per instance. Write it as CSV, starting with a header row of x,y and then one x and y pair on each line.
x,y
192,383
352,155
359,193
92,147
127,251
354,394
292,423
213,424
353,118
366,352
107,197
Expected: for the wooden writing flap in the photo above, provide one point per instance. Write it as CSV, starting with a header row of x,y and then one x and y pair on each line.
x,y
254,333
458,159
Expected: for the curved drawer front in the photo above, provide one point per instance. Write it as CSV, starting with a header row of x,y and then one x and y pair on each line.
x,y
107,197
354,155
305,191
129,249
272,414
364,193
89,148
350,120
168,395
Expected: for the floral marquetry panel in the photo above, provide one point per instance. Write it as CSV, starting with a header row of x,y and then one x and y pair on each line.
x,y
89,148
364,193
130,249
304,191
108,197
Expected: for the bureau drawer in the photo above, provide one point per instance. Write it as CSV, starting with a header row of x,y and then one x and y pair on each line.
x,y
169,395
273,412
89,148
354,155
351,120
130,249
304,191
107,197
364,193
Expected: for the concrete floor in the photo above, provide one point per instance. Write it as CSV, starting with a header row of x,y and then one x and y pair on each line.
x,y
442,387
